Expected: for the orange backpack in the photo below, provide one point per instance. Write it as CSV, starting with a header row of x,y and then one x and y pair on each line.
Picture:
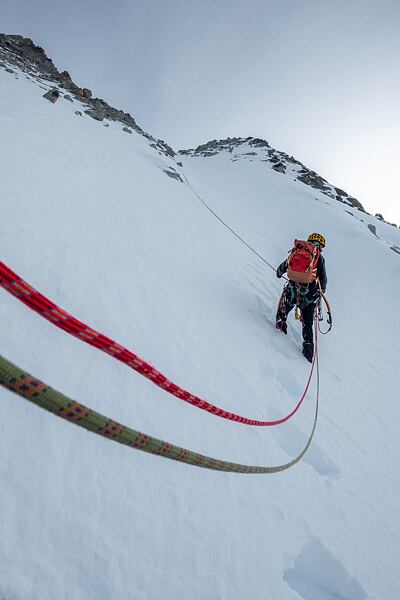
x,y
303,261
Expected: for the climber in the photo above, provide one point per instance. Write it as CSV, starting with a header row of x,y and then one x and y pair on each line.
x,y
306,272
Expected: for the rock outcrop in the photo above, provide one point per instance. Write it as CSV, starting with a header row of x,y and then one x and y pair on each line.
x,y
249,148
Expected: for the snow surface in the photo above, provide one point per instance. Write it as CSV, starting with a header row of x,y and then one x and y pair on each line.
x,y
91,220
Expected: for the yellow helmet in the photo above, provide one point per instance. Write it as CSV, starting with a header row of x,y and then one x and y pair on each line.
x,y
316,237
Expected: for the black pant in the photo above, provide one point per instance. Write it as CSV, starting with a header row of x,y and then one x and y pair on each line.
x,y
306,301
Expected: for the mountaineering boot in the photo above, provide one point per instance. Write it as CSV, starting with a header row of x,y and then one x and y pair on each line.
x,y
308,351
281,325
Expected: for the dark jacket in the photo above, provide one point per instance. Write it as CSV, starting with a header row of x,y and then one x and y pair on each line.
x,y
321,272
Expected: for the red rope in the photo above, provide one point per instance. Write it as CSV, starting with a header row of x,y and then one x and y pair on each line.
x,y
19,288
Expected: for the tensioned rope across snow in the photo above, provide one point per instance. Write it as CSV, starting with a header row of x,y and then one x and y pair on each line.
x,y
229,228
19,288
34,390
225,224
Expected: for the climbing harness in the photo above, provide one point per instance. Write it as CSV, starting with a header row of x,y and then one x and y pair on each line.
x,y
298,294
19,288
41,394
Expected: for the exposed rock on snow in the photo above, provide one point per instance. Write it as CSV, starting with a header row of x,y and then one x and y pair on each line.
x,y
98,115
280,167
243,148
173,174
52,95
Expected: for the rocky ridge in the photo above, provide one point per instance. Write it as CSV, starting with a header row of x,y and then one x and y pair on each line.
x,y
19,52
248,148
251,148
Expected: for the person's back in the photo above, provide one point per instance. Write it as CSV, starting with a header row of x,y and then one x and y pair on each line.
x,y
306,271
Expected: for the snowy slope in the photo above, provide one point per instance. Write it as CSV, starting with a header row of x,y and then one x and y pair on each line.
x,y
90,218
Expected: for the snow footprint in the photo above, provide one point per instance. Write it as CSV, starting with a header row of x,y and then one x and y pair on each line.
x,y
317,575
291,439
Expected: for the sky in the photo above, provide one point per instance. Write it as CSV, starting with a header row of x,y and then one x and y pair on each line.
x,y
318,79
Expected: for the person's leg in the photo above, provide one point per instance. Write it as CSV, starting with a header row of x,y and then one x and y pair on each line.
x,y
286,304
307,315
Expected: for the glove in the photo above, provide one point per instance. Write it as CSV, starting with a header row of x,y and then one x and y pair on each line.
x,y
279,275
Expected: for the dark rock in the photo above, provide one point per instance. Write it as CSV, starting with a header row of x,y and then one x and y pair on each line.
x,y
127,129
68,97
98,115
280,167
395,249
354,202
259,143
70,86
24,49
167,149
173,174
9,70
372,229
86,93
340,192
64,76
314,180
52,95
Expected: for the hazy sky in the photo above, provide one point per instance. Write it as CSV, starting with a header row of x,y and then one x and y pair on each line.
x,y
319,79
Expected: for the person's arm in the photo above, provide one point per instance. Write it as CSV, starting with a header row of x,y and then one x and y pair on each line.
x,y
281,269
321,271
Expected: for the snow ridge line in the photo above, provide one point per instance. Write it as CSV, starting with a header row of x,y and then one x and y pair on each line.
x,y
39,393
19,288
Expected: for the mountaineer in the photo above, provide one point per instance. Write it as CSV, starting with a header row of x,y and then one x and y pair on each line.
x,y
305,268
